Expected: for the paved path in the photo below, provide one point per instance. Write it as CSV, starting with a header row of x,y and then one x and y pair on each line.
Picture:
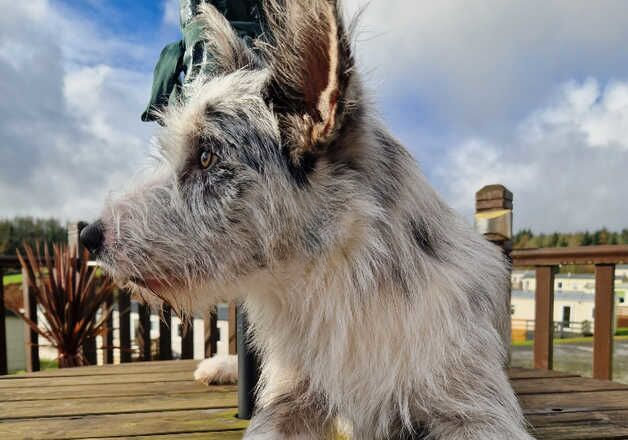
x,y
578,358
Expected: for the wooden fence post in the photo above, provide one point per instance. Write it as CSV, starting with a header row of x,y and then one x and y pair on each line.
x,y
4,367
165,333
187,339
31,338
544,317
493,219
211,333
604,321
143,333
107,336
124,316
232,319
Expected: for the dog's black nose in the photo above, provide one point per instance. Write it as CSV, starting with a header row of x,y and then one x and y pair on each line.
x,y
92,236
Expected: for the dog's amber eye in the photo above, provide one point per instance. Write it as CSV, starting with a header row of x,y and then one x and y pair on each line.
x,y
208,159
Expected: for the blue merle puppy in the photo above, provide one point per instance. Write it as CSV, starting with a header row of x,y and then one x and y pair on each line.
x,y
371,301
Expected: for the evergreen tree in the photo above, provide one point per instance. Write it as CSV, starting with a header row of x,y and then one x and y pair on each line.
x,y
526,239
563,240
587,239
14,232
601,236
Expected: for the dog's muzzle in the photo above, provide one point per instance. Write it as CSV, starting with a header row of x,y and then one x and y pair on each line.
x,y
92,236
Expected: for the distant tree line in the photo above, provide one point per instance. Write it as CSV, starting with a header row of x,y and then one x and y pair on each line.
x,y
527,239
16,231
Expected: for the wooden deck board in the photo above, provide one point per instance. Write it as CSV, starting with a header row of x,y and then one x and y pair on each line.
x,y
527,373
224,435
564,385
48,381
115,405
159,400
104,391
108,370
136,424
581,401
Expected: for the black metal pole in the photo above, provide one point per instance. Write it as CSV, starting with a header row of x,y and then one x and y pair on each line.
x,y
248,369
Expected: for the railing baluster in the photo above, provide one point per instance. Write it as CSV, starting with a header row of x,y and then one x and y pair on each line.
x,y
89,351
107,336
144,332
165,333
211,333
604,321
4,367
124,316
544,315
89,344
187,340
31,338
233,326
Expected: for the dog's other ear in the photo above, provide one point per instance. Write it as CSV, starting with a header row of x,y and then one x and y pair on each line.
x,y
311,63
222,51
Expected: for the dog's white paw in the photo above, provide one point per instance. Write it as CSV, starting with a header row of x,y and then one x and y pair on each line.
x,y
217,370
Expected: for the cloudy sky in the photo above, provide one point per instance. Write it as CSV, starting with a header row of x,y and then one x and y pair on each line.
x,y
530,94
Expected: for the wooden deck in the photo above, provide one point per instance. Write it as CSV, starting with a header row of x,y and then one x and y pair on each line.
x,y
159,400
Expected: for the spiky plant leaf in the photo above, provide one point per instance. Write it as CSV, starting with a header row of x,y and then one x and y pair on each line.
x,y
69,297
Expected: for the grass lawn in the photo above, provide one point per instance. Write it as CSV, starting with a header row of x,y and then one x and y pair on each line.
x,y
15,278
587,339
44,364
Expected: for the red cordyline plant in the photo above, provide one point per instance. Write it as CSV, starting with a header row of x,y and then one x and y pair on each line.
x,y
69,297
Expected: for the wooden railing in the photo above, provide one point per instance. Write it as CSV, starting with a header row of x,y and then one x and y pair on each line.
x,y
546,262
562,329
494,205
123,299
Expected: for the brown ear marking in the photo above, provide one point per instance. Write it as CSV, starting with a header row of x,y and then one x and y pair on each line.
x,y
311,64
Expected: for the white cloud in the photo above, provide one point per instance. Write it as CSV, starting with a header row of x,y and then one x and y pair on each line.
x,y
600,115
480,66
476,163
473,90
70,129
497,93
566,165
171,12
16,54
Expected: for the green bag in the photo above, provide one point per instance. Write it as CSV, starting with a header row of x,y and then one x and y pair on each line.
x,y
182,60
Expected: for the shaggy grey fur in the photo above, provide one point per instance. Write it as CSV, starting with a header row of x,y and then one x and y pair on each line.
x,y
371,301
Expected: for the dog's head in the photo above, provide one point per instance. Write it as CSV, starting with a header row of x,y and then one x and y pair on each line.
x,y
244,178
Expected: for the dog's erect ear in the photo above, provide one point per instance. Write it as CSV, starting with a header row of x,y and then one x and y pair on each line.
x,y
311,63
222,51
